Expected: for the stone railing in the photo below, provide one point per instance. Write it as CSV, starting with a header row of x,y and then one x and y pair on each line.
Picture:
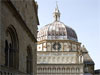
x,y
6,73
10,71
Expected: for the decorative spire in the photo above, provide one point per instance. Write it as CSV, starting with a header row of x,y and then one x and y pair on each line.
x,y
57,13
56,4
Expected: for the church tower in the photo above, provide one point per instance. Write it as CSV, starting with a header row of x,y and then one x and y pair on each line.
x,y
59,52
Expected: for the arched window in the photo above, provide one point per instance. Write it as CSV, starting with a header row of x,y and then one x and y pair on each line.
x,y
11,48
29,60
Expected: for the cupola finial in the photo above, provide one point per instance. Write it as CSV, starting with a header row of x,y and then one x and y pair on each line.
x,y
57,13
56,4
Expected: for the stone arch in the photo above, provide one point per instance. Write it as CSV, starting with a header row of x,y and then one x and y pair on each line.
x,y
29,60
11,48
58,68
49,69
54,69
63,69
40,68
77,70
43,69
73,70
68,70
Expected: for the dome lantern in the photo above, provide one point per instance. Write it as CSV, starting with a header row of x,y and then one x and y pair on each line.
x,y
57,13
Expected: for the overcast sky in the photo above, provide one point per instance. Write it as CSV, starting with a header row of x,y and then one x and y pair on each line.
x,y
82,15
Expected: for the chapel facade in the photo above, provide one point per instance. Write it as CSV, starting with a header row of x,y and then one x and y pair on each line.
x,y
59,52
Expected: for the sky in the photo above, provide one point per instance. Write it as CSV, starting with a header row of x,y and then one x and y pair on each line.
x,y
82,15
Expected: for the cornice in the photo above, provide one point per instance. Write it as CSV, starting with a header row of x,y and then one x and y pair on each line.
x,y
81,64
74,42
56,52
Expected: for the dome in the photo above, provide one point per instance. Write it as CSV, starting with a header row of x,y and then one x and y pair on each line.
x,y
56,30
